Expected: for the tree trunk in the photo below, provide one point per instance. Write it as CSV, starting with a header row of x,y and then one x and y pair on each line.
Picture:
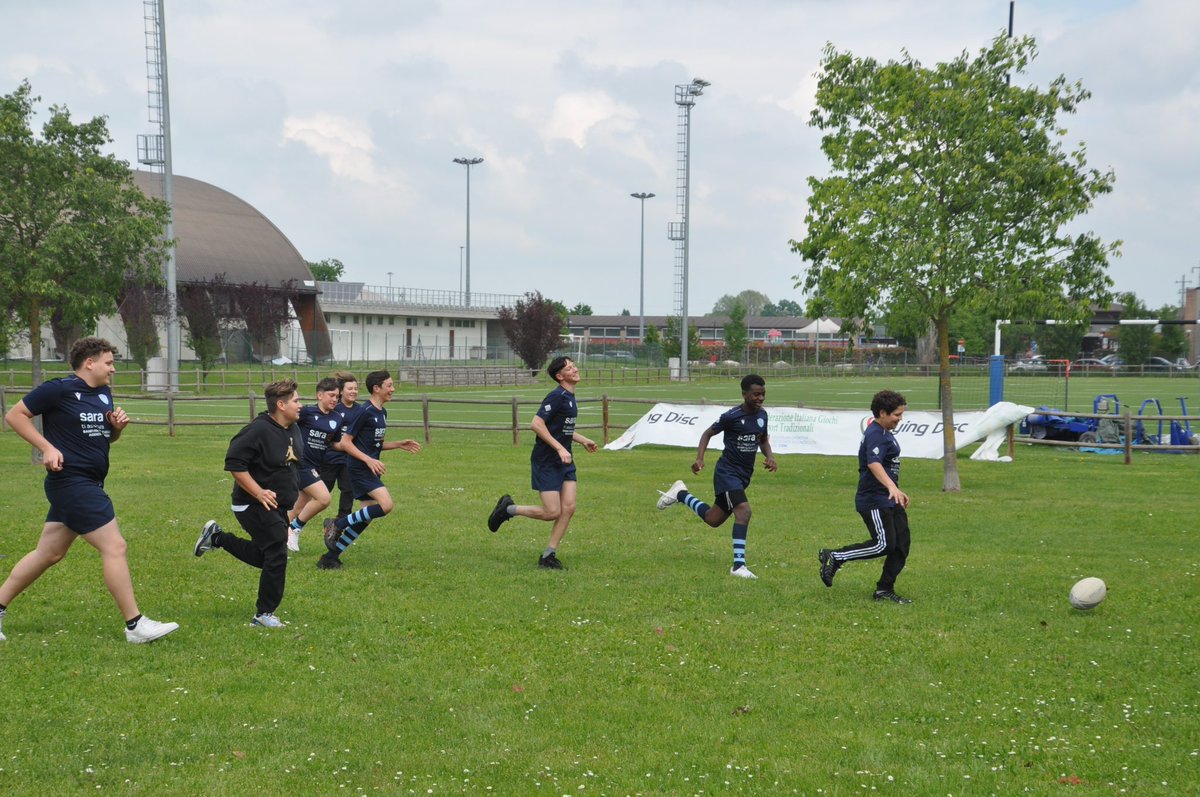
x,y
927,345
950,483
35,353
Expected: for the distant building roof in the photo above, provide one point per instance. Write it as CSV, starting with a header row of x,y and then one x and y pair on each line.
x,y
218,233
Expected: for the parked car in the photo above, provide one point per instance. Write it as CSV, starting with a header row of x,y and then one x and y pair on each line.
x,y
1035,363
1087,364
1113,360
614,356
1163,364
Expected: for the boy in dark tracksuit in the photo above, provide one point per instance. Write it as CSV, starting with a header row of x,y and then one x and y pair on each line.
x,y
262,458
879,501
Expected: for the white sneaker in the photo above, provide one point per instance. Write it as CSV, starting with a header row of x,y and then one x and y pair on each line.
x,y
668,498
267,621
741,572
293,543
148,630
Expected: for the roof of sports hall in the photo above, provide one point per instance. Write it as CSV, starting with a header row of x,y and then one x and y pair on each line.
x,y
219,233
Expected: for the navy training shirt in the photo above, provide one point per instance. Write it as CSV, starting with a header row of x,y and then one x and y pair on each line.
x,y
368,427
878,445
320,430
346,415
558,411
742,432
73,421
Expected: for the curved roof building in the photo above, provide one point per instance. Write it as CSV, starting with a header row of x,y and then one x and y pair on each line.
x,y
219,234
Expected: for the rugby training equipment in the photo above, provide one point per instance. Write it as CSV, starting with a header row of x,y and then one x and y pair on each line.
x,y
1088,593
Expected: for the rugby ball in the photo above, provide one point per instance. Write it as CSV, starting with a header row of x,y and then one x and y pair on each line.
x,y
1088,593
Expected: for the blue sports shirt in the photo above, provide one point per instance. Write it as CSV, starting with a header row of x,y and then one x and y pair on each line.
x,y
878,445
742,433
558,411
368,427
73,421
346,415
320,430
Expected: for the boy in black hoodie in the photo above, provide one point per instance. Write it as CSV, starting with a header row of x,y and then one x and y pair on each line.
x,y
262,458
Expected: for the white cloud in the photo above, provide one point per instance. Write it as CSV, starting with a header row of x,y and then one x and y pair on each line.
x,y
577,114
344,143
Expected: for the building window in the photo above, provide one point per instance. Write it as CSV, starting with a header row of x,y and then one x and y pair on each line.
x,y
368,318
342,318
439,322
412,322
391,321
326,318
354,318
379,320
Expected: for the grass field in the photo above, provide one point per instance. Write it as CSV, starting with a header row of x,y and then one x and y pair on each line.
x,y
442,661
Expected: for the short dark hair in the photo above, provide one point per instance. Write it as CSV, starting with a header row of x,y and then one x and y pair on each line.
x,y
886,401
279,391
328,383
89,347
343,377
375,379
749,380
556,365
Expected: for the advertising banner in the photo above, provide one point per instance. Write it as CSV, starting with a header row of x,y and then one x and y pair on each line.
x,y
811,431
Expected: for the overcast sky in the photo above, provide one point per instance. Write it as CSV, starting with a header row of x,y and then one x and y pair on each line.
x,y
339,121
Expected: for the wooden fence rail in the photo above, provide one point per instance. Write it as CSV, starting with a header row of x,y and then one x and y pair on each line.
x,y
514,421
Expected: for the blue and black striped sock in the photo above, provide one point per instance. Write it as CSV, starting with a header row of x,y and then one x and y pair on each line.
x,y
297,523
695,504
739,544
354,524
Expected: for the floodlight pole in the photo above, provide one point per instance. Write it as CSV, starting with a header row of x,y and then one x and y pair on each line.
x,y
468,162
685,98
642,197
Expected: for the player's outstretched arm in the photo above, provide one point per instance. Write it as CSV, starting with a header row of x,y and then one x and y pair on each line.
x,y
411,446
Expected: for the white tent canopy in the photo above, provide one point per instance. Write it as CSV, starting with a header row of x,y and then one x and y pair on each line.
x,y
821,326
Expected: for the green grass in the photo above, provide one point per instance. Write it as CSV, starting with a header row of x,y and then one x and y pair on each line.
x,y
442,661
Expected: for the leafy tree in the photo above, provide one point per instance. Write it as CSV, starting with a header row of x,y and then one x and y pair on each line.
x,y
783,308
534,327
947,186
328,270
265,309
1173,342
580,309
736,336
141,305
670,340
72,223
753,301
653,336
626,313
205,309
1135,343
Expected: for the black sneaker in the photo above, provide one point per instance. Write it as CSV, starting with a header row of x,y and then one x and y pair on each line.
x,y
829,566
329,561
888,595
331,533
550,561
204,543
500,513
